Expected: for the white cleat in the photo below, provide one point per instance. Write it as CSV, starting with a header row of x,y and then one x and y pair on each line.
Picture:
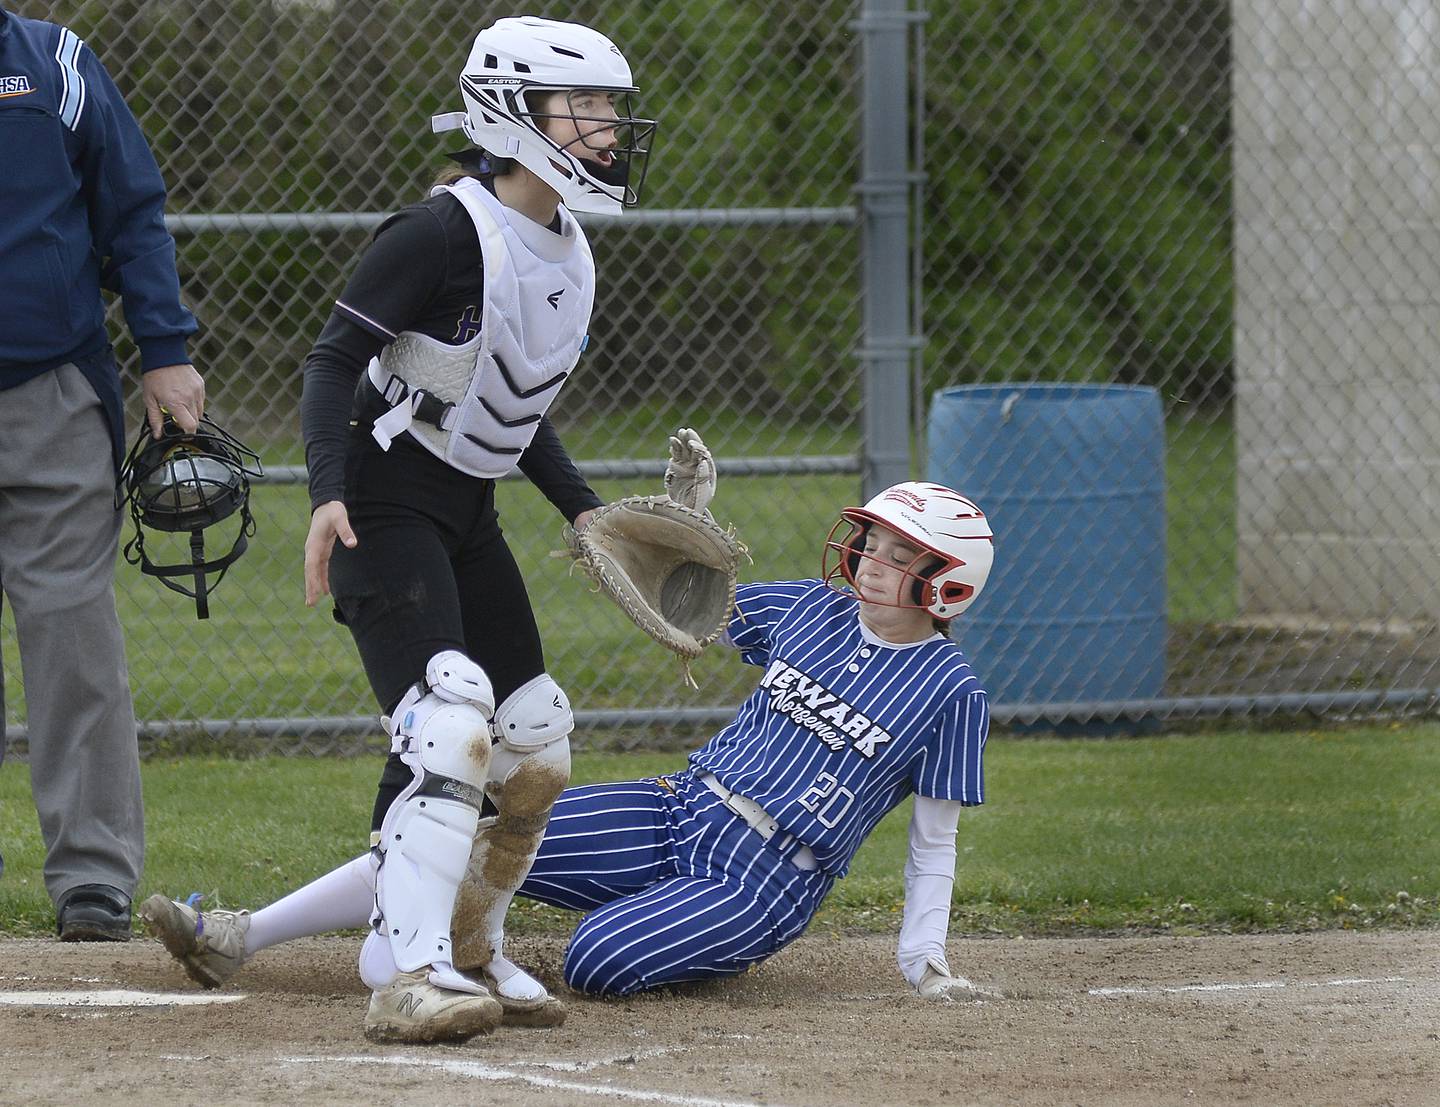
x,y
209,944
411,1009
937,984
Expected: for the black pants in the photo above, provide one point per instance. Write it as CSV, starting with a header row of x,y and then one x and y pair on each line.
x,y
431,572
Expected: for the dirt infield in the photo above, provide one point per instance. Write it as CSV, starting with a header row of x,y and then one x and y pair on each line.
x,y
1276,1020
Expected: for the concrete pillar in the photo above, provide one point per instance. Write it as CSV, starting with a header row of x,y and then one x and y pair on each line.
x,y
1337,307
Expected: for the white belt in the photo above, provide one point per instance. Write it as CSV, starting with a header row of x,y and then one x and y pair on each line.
x,y
758,819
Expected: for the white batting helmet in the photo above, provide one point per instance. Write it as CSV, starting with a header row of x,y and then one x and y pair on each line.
x,y
521,55
939,522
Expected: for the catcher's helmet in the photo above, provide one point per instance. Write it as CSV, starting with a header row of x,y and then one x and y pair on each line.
x,y
186,482
513,61
955,542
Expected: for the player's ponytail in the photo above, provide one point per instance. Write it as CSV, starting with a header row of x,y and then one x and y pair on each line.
x,y
471,163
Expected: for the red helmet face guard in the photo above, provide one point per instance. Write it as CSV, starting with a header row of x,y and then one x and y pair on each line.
x,y
841,559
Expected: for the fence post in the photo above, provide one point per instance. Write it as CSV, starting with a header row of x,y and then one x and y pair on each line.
x,y
886,180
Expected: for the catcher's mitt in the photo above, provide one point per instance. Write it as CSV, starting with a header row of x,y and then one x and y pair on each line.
x,y
671,569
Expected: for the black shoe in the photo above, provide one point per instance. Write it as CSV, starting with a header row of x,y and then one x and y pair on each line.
x,y
93,913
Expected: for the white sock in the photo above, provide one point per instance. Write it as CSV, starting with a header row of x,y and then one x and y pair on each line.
x,y
377,962
513,982
342,899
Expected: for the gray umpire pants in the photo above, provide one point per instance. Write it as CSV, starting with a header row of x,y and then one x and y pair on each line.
x,y
59,532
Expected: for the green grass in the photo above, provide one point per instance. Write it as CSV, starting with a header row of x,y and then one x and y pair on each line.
x,y
1200,520
1185,834
264,654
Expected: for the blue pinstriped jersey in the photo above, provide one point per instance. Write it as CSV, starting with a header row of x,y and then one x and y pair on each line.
x,y
843,725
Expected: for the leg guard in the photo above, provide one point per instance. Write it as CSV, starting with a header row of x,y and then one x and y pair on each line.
x,y
527,774
427,834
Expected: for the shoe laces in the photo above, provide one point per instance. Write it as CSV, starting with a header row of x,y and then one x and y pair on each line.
x,y
193,901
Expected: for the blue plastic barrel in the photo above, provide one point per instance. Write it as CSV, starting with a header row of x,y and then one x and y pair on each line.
x,y
1072,479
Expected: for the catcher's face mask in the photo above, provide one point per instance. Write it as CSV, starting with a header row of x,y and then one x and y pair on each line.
x,y
182,483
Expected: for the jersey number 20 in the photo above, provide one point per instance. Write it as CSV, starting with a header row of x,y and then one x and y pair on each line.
x,y
826,800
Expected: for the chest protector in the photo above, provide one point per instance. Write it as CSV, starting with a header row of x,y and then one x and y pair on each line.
x,y
476,405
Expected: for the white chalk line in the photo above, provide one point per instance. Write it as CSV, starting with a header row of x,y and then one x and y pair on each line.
x,y
1254,985
475,1070
555,1066
114,998
600,1063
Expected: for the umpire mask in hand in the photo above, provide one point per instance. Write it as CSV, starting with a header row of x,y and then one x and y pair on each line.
x,y
182,483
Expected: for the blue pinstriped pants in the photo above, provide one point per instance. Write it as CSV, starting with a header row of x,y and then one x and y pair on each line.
x,y
676,886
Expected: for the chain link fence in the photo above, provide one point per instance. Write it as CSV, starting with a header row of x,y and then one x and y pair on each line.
x,y
1233,202
1114,192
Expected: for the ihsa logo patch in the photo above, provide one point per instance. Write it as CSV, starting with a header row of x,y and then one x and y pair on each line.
x,y
15,86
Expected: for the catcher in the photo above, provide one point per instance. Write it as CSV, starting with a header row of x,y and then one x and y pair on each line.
x,y
458,328
863,701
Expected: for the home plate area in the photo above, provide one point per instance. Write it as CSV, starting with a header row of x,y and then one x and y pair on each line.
x,y
1276,1019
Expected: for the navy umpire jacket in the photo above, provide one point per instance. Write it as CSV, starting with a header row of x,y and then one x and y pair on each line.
x,y
81,206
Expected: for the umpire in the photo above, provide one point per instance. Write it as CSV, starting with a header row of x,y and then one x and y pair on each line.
x,y
83,208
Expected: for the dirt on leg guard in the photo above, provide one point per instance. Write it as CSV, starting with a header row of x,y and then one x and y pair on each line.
x,y
524,787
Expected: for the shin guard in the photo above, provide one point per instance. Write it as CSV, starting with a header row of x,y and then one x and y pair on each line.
x,y
428,832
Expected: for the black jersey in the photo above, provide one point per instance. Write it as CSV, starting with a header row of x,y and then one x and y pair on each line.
x,y
423,272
